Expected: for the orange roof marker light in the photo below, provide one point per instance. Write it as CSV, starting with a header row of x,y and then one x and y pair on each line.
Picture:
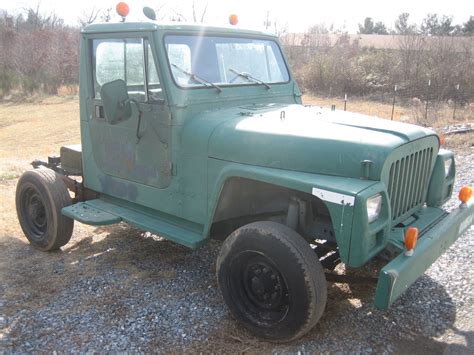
x,y
233,19
465,194
122,9
411,237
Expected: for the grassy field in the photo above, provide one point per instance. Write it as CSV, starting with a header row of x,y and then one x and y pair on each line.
x,y
34,130
27,132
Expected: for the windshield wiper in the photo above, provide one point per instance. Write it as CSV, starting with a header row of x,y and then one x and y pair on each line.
x,y
197,79
249,77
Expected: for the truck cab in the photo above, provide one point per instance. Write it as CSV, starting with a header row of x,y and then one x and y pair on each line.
x,y
195,132
183,80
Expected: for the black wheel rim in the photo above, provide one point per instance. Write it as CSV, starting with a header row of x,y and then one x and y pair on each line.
x,y
34,212
260,290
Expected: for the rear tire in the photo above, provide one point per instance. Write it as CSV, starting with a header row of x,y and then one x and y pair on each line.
x,y
272,281
40,196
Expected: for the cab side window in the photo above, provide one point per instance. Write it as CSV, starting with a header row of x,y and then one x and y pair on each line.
x,y
129,59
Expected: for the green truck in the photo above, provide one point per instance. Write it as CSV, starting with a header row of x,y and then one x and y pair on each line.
x,y
196,132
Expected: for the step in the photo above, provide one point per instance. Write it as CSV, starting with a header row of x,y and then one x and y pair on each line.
x,y
87,214
108,212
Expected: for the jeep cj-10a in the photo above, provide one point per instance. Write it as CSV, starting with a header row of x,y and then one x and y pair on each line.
x,y
195,132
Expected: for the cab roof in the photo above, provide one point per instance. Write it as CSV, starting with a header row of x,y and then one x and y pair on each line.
x,y
171,26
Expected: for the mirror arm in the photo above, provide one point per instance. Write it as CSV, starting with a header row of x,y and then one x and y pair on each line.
x,y
140,114
138,126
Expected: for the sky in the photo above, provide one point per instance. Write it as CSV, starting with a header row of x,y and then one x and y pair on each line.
x,y
297,15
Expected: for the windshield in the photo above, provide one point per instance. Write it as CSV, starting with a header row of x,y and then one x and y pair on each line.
x,y
198,61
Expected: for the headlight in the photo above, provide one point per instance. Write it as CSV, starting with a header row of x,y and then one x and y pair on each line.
x,y
374,205
447,166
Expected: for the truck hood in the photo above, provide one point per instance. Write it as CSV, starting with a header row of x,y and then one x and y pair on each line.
x,y
308,139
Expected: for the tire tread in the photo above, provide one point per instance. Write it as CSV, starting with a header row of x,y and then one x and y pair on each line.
x,y
58,196
307,259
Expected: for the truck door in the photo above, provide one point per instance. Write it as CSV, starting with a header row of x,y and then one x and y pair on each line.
x,y
137,149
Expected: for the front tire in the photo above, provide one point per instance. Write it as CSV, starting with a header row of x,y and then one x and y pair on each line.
x,y
272,281
40,196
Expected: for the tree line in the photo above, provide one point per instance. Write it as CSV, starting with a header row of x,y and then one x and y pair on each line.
x,y
41,53
431,61
37,53
435,68
431,25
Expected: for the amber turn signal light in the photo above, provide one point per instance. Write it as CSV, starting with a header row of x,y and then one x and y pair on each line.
x,y
411,237
233,19
122,9
465,194
442,140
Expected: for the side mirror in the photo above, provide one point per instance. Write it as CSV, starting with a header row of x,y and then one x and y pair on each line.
x,y
117,105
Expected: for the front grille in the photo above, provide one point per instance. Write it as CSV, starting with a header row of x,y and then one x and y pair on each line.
x,y
408,182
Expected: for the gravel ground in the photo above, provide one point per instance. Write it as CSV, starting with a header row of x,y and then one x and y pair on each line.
x,y
115,289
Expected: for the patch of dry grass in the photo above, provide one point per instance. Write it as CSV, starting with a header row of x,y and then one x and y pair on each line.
x,y
370,108
31,131
37,129
438,116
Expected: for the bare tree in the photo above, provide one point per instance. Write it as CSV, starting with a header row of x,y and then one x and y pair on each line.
x,y
411,50
317,36
203,13
36,20
106,15
160,11
94,15
267,23
278,27
89,16
177,17
196,14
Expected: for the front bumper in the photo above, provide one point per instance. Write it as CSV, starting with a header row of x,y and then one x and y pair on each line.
x,y
402,271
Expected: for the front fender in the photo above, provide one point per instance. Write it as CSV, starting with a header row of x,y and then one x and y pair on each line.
x,y
338,193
